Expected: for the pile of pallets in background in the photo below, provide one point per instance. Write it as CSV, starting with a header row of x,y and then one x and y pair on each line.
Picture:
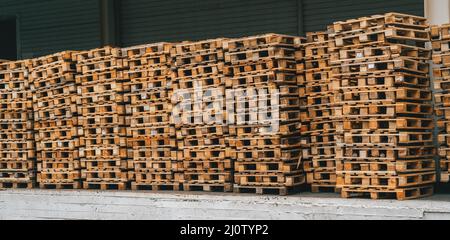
x,y
350,110
101,108
319,120
17,147
382,73
266,133
200,116
151,135
55,120
440,37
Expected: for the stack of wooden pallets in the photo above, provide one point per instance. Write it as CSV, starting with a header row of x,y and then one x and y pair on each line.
x,y
319,122
151,135
199,116
17,147
101,109
56,121
441,71
382,74
266,134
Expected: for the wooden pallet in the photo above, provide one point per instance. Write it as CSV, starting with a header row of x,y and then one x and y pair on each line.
x,y
380,193
397,64
277,190
201,70
368,53
266,167
386,181
154,153
199,58
160,186
348,152
199,165
387,19
197,83
261,41
58,176
412,37
105,185
155,176
146,61
324,188
388,139
440,32
98,53
387,124
226,187
16,185
206,153
205,177
187,47
156,165
440,46
261,54
74,185
248,142
255,67
384,167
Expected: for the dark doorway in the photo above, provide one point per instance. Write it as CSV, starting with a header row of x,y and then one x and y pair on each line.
x,y
8,39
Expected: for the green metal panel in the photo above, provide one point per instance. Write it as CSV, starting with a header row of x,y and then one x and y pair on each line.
x,y
320,13
144,21
49,26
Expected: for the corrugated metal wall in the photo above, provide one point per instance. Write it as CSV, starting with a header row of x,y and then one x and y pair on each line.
x,y
48,26
144,21
317,14
174,20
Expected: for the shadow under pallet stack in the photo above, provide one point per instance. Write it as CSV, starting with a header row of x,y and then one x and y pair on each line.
x,y
441,71
151,135
56,121
387,150
101,107
266,134
17,146
320,117
200,116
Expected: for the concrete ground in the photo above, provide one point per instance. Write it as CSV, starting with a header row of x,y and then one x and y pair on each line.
x,y
74,204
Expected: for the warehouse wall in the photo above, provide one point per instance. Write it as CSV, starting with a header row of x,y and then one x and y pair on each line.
x,y
48,26
145,21
175,20
319,13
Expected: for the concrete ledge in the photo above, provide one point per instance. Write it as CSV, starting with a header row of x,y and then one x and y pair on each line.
x,y
74,204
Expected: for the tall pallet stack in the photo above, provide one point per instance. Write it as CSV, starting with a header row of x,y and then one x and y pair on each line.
x,y
56,120
101,107
266,133
17,150
200,116
441,71
319,121
387,149
152,138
